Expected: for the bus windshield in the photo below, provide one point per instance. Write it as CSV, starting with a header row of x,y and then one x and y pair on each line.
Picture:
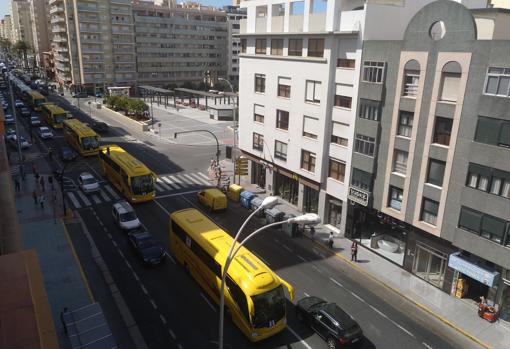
x,y
59,118
90,142
269,308
142,184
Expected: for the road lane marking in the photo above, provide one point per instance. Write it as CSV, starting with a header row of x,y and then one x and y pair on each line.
x,y
287,248
105,229
112,192
144,289
192,179
402,328
172,334
203,178
336,282
170,256
73,200
207,301
153,303
177,182
358,297
121,253
169,183
96,199
426,345
83,198
158,187
320,271
183,193
378,311
136,276
114,243
161,206
110,236
299,338
180,346
104,196
163,184
163,320
306,294
302,258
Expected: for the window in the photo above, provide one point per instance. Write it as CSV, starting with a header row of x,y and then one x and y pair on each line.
x,y
277,47
343,101
450,83
436,172
280,150
395,198
310,127
442,131
260,83
258,113
307,161
400,161
484,225
243,45
405,124
411,82
345,63
364,145
373,71
429,211
260,46
489,179
313,91
337,135
258,141
368,109
295,47
337,169
284,87
497,82
493,131
282,119
361,179
339,140
315,47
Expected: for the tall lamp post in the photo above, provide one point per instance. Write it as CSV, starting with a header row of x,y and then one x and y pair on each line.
x,y
270,201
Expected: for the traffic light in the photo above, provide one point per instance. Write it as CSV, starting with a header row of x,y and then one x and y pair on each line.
x,y
242,166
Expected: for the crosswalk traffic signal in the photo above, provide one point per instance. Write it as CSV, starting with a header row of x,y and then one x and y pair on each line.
x,y
242,166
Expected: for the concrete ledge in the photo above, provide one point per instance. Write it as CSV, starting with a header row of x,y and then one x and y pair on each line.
x,y
142,125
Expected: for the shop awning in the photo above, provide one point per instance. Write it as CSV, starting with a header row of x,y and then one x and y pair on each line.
x,y
475,271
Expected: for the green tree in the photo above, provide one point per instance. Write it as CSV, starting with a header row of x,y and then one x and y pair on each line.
x,y
123,104
22,48
111,101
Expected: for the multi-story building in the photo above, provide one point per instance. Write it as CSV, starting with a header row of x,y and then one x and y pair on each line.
x,y
21,25
40,26
430,172
179,43
234,17
93,42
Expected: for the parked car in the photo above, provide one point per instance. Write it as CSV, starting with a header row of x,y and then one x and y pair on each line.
x,y
80,95
45,132
99,94
148,249
23,142
330,322
67,154
213,198
88,183
125,216
100,127
9,119
18,104
25,111
10,134
34,121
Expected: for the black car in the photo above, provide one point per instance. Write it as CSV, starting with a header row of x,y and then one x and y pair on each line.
x,y
329,321
149,250
100,127
67,154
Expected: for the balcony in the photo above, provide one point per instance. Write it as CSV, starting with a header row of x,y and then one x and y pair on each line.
x,y
58,29
88,19
317,22
55,9
277,24
296,23
59,39
242,26
55,1
120,10
88,29
350,21
261,25
84,8
59,19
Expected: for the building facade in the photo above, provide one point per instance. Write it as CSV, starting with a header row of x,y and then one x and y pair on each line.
x,y
234,17
40,26
430,175
21,24
179,43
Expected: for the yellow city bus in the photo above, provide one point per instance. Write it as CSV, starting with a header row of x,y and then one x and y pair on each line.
x,y
81,137
53,115
35,100
254,293
131,177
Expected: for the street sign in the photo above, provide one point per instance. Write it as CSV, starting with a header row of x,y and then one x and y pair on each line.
x,y
242,167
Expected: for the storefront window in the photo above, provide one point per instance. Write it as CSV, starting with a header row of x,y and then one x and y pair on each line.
x,y
334,212
286,188
430,265
311,200
258,175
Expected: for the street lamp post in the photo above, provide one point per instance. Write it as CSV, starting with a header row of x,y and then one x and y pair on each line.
x,y
212,134
270,201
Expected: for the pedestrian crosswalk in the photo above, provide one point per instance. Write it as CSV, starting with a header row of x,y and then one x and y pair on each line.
x,y
165,184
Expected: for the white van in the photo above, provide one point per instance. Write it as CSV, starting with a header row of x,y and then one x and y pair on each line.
x,y
125,216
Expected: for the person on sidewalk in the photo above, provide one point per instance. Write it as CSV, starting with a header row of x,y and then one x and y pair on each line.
x,y
34,196
41,200
354,251
50,181
41,181
330,239
312,233
17,185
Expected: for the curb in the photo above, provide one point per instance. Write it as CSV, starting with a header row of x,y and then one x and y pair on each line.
x,y
397,291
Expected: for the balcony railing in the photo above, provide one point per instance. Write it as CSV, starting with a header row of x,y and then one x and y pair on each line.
x,y
88,8
56,9
350,21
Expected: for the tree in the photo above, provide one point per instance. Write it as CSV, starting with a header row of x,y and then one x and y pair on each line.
x,y
5,44
123,104
138,107
22,48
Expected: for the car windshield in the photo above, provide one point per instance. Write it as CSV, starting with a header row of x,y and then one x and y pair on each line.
x,y
269,308
142,184
89,180
128,216
90,142
44,129
59,118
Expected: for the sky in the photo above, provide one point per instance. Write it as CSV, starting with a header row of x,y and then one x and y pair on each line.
x,y
6,4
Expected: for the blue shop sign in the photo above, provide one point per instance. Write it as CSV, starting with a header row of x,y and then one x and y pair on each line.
x,y
474,271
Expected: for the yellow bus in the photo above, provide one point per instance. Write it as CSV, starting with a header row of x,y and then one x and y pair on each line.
x,y
131,177
53,115
36,100
254,294
81,137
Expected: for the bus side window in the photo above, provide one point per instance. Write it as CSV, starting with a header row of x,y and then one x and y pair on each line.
x,y
239,297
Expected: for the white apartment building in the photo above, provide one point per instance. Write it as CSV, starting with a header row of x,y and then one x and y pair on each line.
x,y
234,17
40,20
93,43
300,66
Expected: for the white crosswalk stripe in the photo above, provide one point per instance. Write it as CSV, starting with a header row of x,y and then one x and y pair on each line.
x,y
193,180
163,184
104,196
171,182
202,178
73,199
83,198
158,187
96,199
112,192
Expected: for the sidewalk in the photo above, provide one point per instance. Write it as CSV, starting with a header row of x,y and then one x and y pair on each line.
x,y
454,312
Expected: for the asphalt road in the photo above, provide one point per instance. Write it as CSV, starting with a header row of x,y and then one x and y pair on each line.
x,y
173,312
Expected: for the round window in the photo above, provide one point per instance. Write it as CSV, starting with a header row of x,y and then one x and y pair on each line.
x,y
437,30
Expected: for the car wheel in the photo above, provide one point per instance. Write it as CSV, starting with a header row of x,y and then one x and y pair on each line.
x,y
331,343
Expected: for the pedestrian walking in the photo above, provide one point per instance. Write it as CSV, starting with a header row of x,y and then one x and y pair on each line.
x,y
330,239
64,325
34,196
41,200
354,251
312,232
36,176
17,185
50,181
41,181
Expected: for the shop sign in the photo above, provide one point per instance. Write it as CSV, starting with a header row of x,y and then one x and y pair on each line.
x,y
359,196
474,271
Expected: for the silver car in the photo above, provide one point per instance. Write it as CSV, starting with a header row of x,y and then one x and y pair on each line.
x,y
88,183
45,132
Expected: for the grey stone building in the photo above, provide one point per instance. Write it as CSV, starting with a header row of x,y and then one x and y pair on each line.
x,y
430,181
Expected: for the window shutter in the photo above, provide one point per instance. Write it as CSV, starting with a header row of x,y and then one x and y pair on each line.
x,y
284,81
309,90
318,94
311,125
259,109
451,83
340,130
